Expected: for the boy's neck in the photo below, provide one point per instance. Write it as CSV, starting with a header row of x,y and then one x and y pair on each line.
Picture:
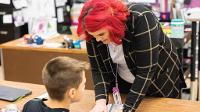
x,y
57,104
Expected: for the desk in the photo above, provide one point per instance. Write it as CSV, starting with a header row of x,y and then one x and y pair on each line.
x,y
147,105
36,89
24,63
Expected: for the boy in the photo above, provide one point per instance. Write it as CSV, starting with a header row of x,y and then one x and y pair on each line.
x,y
64,79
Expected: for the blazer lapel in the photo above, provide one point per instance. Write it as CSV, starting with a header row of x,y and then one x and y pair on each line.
x,y
127,49
105,55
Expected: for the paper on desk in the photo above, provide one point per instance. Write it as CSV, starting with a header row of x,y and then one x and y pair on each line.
x,y
114,107
43,96
52,45
4,1
7,19
3,110
109,106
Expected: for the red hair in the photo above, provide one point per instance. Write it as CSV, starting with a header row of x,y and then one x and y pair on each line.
x,y
97,14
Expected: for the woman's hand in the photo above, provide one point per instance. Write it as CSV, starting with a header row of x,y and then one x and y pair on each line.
x,y
100,106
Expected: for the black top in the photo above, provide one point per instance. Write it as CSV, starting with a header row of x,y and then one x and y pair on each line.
x,y
37,105
150,56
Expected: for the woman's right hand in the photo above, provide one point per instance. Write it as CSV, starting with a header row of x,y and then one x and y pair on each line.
x,y
100,106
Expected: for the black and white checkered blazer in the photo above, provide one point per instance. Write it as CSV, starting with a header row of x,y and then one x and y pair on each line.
x,y
150,56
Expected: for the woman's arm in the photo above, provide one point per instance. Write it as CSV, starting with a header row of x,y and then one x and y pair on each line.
x,y
101,77
145,55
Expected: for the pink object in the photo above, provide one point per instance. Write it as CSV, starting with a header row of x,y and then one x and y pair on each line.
x,y
115,90
193,4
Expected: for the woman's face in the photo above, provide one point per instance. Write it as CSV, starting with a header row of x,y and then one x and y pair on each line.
x,y
101,35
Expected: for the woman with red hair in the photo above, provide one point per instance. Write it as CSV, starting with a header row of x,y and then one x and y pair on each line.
x,y
129,52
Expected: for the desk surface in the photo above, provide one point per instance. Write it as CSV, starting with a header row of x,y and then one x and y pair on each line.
x,y
194,16
36,89
19,44
147,105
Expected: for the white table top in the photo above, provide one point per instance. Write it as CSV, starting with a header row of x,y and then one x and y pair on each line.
x,y
194,16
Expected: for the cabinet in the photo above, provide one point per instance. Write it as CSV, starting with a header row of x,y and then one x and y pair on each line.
x,y
8,30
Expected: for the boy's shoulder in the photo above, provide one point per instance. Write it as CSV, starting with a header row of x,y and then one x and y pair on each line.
x,y
33,105
33,102
37,105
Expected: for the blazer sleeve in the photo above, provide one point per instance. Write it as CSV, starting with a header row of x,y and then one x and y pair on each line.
x,y
145,55
101,76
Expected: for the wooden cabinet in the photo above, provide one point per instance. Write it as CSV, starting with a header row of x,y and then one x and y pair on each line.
x,y
24,64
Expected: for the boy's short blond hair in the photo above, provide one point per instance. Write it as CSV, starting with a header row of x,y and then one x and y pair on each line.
x,y
62,73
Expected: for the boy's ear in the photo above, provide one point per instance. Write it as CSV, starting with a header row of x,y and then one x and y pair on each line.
x,y
72,93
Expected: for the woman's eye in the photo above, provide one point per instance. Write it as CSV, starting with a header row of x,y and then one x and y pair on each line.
x,y
101,34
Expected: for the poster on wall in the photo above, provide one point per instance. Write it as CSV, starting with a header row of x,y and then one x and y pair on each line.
x,y
60,3
18,4
41,8
7,19
42,17
60,15
18,18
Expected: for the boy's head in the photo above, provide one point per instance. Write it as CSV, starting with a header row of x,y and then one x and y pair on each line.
x,y
64,77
